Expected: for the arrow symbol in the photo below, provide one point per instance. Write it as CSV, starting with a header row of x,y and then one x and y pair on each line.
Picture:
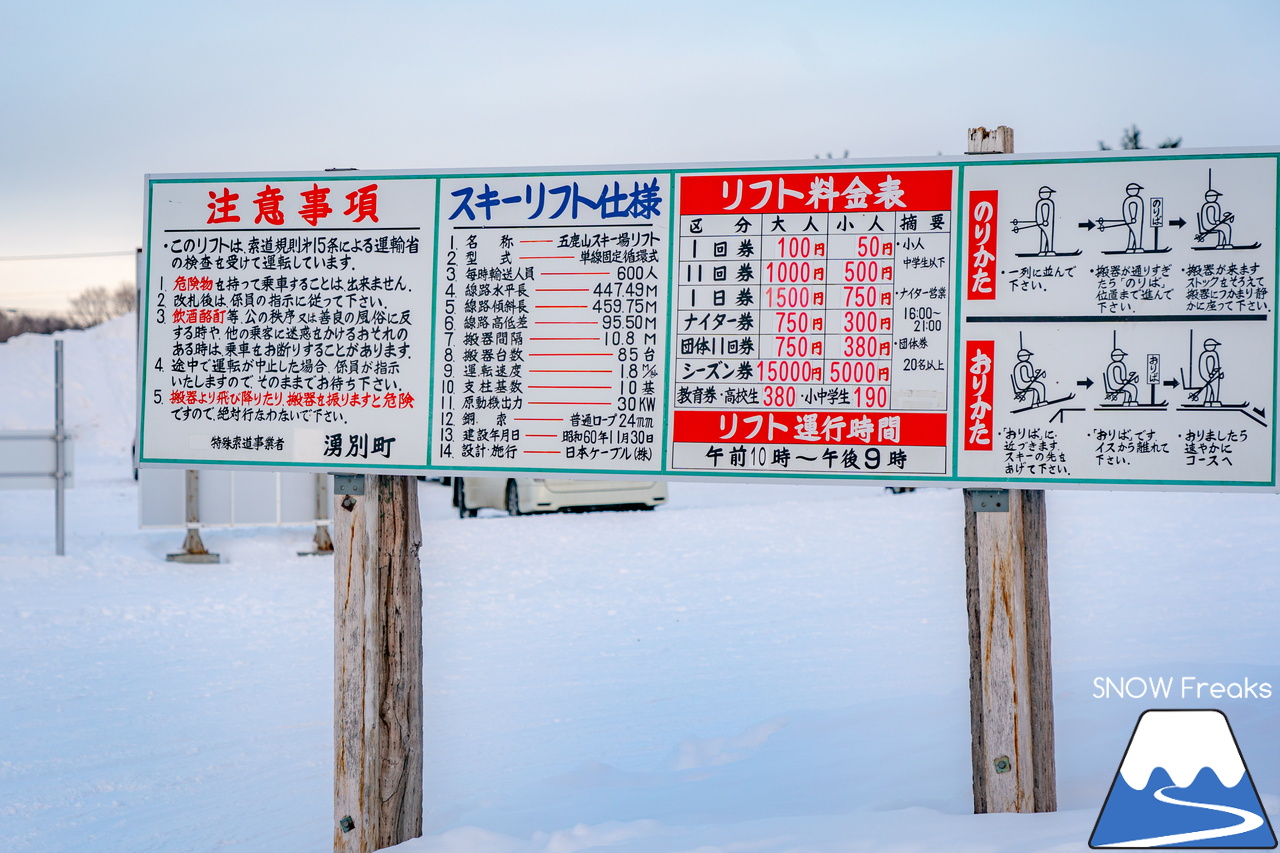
x,y
1087,383
1170,383
1088,225
1262,413
1178,222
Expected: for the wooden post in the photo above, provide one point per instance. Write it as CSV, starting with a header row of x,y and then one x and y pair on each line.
x,y
323,542
377,695
1007,592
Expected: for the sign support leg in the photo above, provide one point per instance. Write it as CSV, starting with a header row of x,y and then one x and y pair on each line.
x,y
377,696
193,550
1010,670
1010,660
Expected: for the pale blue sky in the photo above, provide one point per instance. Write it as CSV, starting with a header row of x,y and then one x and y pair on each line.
x,y
94,95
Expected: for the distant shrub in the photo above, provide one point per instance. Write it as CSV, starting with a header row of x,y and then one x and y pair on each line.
x,y
95,305
98,305
16,323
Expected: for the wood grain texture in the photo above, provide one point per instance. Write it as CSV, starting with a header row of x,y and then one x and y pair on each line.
x,y
1006,685
996,141
973,602
323,541
1011,675
1039,648
377,665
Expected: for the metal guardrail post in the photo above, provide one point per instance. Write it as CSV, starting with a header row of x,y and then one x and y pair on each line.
x,y
60,457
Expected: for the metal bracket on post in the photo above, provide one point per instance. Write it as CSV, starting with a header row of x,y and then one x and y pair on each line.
x,y
990,500
193,550
348,484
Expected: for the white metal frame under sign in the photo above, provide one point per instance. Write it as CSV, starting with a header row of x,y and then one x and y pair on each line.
x,y
230,499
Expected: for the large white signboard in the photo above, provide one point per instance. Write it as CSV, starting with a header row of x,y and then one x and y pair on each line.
x,y
1062,321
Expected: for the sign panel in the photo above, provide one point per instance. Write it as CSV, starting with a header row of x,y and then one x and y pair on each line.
x,y
1129,333
288,321
811,322
1084,321
551,322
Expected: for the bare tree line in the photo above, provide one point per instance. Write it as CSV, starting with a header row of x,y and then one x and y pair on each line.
x,y
95,305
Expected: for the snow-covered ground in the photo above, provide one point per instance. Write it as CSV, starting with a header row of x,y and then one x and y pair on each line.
x,y
752,668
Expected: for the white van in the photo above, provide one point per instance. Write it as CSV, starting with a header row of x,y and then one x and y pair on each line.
x,y
521,496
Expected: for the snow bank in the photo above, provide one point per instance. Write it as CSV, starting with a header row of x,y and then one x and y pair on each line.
x,y
100,386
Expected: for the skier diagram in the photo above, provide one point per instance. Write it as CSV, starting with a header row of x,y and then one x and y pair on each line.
x,y
1209,366
1207,395
1026,379
1213,223
1133,214
1119,383
1027,385
1045,218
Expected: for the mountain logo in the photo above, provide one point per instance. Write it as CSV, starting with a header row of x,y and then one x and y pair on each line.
x,y
1183,783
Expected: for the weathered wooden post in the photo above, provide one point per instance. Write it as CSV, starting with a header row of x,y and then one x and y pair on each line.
x,y
1007,592
323,542
377,691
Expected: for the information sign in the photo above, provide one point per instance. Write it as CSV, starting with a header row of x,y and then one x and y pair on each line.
x,y
288,321
550,321
1103,321
795,294
1122,324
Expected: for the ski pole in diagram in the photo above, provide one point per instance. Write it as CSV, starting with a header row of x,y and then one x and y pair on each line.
x,y
1045,217
1213,225
1209,366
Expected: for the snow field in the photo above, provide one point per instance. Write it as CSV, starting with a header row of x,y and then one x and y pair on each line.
x,y
752,668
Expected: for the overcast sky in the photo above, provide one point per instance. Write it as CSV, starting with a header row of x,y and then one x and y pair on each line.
x,y
93,95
